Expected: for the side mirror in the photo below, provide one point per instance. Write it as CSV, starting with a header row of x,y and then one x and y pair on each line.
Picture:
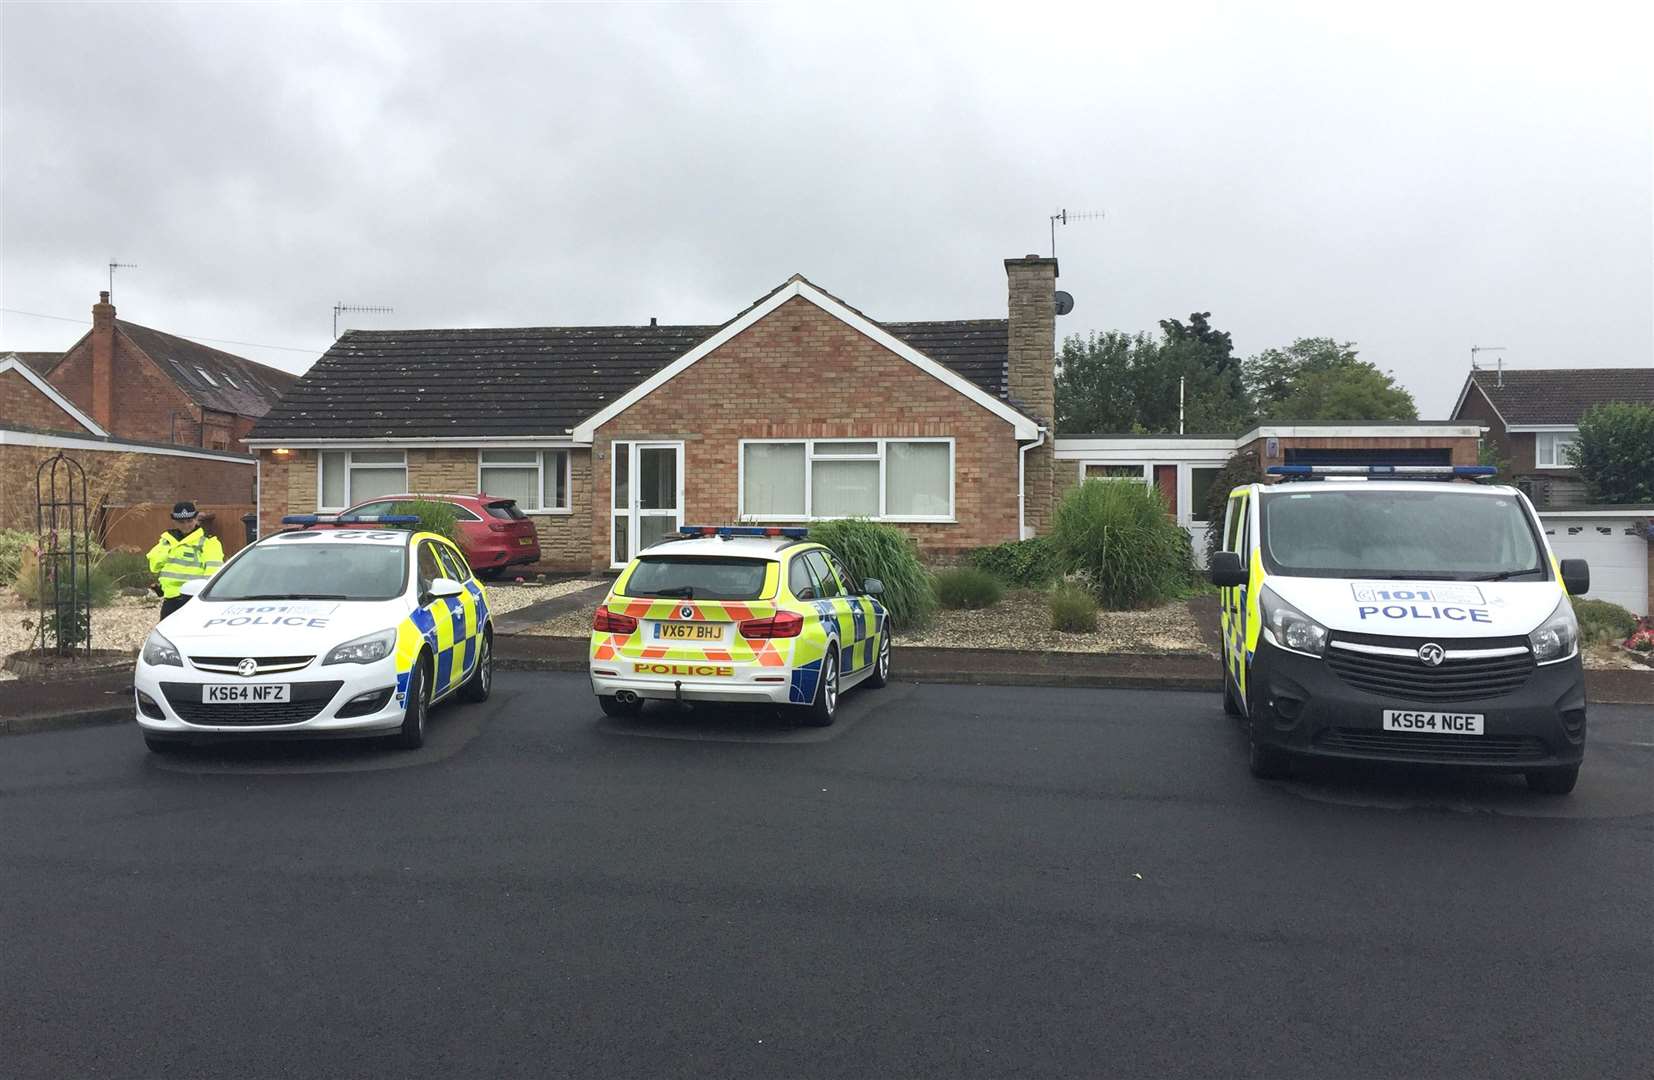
x,y
193,586
873,587
1576,576
1226,570
443,586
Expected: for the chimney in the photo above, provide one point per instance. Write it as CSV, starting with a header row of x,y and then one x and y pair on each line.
x,y
1031,366
103,361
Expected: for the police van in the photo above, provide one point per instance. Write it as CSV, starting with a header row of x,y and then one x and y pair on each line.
x,y
340,627
1403,614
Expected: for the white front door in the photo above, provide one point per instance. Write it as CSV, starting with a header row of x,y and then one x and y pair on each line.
x,y
646,479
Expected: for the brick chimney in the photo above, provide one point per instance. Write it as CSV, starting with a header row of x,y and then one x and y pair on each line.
x,y
1031,366
103,361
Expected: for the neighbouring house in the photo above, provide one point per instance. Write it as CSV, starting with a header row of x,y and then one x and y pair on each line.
x,y
145,384
1532,416
799,408
130,484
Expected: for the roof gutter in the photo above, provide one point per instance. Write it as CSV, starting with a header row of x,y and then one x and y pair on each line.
x,y
553,442
1022,482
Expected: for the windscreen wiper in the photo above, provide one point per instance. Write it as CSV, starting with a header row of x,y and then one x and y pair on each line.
x,y
297,596
684,592
1504,575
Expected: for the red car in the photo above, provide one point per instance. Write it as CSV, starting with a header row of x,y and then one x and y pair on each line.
x,y
493,533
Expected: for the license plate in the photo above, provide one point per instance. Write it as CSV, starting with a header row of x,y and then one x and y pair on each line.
x,y
525,540
245,693
1440,723
689,631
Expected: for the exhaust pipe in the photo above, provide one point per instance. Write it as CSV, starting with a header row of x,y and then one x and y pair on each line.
x,y
625,697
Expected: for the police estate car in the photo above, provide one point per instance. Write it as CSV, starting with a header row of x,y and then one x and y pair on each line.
x,y
738,614
1400,616
319,631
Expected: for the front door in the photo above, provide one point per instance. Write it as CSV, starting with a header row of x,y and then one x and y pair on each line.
x,y
647,500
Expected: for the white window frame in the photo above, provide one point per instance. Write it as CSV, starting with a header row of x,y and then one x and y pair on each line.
x,y
1557,460
350,467
539,468
632,512
811,454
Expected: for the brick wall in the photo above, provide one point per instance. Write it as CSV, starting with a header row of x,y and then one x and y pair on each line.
x,y
1031,369
147,404
800,373
289,487
125,478
22,403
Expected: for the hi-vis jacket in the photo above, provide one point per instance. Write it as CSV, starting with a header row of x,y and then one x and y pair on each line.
x,y
174,561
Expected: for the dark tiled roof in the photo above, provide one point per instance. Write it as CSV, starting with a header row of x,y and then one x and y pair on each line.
x,y
1562,395
38,362
533,381
242,386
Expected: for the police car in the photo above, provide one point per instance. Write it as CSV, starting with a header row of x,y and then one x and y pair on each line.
x,y
738,614
1399,613
341,627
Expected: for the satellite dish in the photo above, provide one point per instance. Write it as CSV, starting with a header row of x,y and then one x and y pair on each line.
x,y
1065,303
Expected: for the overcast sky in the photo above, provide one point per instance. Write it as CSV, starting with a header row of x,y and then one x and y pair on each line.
x,y
1417,180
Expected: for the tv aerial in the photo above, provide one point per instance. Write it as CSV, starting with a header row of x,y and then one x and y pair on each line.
x,y
362,309
1063,217
114,266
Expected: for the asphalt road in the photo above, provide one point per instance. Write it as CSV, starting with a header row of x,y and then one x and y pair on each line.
x,y
951,882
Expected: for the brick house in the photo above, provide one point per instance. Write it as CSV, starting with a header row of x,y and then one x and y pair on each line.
x,y
151,386
799,408
130,484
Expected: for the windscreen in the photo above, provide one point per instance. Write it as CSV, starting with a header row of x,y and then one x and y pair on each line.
x,y
506,510
698,579
298,569
1447,535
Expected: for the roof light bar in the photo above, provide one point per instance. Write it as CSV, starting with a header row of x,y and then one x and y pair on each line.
x,y
350,519
727,531
1400,472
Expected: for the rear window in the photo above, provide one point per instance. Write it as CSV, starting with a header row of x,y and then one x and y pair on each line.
x,y
506,510
698,579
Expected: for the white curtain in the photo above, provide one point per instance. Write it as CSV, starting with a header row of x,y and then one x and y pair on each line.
x,y
918,479
373,483
517,482
774,480
844,488
333,479
556,495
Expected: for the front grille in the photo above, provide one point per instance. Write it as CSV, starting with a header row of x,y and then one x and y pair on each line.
x,y
309,699
267,665
1424,744
1409,679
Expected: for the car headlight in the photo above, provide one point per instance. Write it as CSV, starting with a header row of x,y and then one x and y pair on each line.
x,y
1291,628
159,652
363,650
1557,638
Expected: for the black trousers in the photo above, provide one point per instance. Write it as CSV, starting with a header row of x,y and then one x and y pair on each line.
x,y
172,603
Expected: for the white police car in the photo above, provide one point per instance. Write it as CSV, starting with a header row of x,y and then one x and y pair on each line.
x,y
339,628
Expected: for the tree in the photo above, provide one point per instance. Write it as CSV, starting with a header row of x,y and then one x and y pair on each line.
x,y
1094,382
1615,452
1323,379
1118,382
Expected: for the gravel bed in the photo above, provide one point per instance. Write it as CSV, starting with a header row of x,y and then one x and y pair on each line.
x,y
122,625
503,596
1609,658
1020,621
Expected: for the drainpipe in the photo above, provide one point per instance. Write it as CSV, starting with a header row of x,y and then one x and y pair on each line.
x,y
1022,484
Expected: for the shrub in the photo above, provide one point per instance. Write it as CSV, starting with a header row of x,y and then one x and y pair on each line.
x,y
1601,621
1073,609
1117,535
1240,469
968,587
124,569
871,550
434,515
12,543
1613,452
1022,564
27,583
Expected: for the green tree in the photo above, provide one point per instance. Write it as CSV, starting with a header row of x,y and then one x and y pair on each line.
x,y
1615,452
1094,381
1323,379
1119,382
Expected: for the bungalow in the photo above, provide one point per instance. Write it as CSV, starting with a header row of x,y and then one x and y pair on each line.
x,y
799,408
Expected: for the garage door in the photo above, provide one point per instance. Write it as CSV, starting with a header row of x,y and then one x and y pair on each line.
x,y
1616,548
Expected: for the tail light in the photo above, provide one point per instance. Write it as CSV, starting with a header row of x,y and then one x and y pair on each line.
x,y
781,624
498,526
612,622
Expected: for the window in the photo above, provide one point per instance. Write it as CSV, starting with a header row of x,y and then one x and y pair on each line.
x,y
827,584
210,380
453,564
1550,448
698,577
232,382
812,479
430,567
850,585
537,479
799,581
348,476
1116,472
1200,489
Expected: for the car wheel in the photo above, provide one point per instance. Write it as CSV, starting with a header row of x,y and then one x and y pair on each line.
x,y
411,736
881,666
819,713
162,746
613,706
1553,781
477,687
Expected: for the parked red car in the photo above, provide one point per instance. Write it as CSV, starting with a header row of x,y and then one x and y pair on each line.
x,y
493,533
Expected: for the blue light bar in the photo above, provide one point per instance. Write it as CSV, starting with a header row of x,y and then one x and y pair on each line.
x,y
351,519
1467,472
743,530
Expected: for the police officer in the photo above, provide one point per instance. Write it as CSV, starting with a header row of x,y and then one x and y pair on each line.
x,y
184,552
